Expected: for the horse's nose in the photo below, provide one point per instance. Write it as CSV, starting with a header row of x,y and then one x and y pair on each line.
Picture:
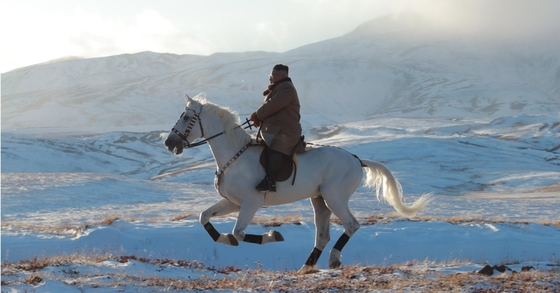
x,y
168,141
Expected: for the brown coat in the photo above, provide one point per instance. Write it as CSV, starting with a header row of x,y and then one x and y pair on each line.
x,y
280,128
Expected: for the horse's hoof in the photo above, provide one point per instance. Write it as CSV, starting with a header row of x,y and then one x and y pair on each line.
x,y
306,269
335,264
335,259
276,235
228,239
272,236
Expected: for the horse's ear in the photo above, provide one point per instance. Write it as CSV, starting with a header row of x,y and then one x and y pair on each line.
x,y
187,98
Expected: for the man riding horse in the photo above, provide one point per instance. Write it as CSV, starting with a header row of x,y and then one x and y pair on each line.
x,y
280,129
329,175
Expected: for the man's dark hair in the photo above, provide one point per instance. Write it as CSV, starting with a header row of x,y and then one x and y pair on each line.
x,y
281,67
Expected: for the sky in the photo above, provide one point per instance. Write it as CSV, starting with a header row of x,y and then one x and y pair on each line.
x,y
36,31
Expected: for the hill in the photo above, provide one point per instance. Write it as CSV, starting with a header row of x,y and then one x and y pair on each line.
x,y
397,66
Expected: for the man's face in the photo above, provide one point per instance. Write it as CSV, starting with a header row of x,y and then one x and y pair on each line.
x,y
276,76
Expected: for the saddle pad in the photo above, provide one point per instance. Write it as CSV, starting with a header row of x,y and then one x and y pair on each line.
x,y
286,166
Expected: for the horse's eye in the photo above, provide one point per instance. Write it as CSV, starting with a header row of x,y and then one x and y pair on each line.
x,y
185,117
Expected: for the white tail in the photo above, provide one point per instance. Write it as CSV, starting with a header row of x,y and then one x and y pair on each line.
x,y
382,180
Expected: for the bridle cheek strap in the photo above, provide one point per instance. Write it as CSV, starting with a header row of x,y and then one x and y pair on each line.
x,y
196,117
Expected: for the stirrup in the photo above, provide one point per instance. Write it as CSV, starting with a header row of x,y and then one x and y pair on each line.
x,y
266,185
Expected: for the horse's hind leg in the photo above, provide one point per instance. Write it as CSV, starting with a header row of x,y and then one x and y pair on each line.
x,y
350,224
223,207
322,219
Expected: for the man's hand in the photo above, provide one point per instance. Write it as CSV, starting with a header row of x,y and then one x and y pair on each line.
x,y
255,120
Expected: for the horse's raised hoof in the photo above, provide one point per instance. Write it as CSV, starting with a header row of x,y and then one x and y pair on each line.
x,y
275,235
307,269
228,239
271,236
335,259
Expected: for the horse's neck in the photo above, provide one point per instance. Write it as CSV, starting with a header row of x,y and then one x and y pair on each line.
x,y
222,150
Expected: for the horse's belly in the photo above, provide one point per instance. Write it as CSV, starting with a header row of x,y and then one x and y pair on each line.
x,y
286,193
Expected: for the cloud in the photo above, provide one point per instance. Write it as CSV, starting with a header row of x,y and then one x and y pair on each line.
x,y
36,33
148,31
30,36
493,18
42,32
35,36
151,22
271,35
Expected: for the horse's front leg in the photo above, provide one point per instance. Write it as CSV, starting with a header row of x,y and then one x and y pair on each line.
x,y
223,207
248,210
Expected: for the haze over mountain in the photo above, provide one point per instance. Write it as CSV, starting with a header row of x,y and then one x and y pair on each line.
x,y
400,66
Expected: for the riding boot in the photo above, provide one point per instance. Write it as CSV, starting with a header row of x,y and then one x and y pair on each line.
x,y
274,163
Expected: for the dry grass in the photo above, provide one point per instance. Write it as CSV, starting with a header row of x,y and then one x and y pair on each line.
x,y
276,222
409,277
182,217
74,231
108,221
550,188
58,230
37,264
387,218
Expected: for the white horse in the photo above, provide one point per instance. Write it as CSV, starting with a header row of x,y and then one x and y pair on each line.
x,y
328,176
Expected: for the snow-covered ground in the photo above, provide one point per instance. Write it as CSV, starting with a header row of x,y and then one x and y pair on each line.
x,y
494,183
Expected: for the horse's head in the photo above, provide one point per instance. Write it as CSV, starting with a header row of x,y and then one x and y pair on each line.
x,y
184,132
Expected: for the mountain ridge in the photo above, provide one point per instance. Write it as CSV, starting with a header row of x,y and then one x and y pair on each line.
x,y
359,75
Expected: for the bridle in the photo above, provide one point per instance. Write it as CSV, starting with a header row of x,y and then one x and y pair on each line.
x,y
196,117
192,122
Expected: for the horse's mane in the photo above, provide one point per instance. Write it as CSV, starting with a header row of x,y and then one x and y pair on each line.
x,y
230,120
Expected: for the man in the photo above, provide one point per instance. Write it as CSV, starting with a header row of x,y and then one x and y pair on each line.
x,y
279,120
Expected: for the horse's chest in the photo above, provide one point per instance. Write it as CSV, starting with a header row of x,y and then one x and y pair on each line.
x,y
225,190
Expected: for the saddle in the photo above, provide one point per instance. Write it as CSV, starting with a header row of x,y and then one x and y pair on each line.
x,y
288,163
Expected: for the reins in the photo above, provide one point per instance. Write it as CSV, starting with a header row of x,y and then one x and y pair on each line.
x,y
191,124
205,140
